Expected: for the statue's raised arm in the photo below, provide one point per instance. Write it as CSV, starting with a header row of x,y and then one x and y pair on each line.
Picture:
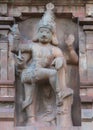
x,y
72,54
16,41
20,50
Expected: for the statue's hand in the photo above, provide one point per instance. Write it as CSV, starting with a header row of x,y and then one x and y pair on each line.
x,y
70,40
14,49
58,62
15,31
20,62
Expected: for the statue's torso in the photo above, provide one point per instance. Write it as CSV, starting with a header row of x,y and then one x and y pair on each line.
x,y
42,55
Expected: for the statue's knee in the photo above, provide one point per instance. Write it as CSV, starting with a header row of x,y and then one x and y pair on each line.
x,y
25,78
53,73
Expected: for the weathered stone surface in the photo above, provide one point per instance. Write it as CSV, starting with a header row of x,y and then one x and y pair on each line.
x,y
88,27
90,91
87,126
3,9
89,9
82,56
77,8
18,10
86,99
83,92
7,91
7,114
7,125
37,2
6,20
87,114
86,21
46,41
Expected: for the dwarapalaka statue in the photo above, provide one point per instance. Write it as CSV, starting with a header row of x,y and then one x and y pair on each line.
x,y
47,63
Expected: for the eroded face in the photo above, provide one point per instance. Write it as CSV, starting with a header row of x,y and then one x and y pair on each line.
x,y
44,35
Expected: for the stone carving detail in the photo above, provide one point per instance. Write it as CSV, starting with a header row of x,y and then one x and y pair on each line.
x,y
3,37
42,67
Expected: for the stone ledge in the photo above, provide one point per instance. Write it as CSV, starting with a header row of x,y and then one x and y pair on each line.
x,y
87,114
7,82
47,128
5,27
6,114
7,99
86,99
11,127
88,27
84,83
38,2
86,21
6,20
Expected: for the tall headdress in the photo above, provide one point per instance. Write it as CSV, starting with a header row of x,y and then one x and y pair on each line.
x,y
48,21
48,18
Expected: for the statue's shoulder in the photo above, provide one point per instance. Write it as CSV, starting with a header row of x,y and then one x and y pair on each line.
x,y
32,44
56,48
35,44
57,51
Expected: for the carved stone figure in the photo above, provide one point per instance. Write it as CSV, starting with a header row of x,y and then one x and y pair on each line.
x,y
42,62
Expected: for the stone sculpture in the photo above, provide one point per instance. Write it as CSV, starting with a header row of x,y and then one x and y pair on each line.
x,y
42,62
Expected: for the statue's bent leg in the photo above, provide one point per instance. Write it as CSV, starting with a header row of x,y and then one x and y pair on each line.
x,y
52,75
44,73
27,79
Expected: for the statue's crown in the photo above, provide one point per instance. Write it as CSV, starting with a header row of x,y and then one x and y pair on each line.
x,y
47,20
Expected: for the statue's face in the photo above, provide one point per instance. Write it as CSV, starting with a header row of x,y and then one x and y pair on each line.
x,y
44,35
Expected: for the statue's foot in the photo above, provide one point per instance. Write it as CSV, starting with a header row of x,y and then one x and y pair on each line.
x,y
31,121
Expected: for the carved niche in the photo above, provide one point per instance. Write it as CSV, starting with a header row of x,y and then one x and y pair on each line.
x,y
47,111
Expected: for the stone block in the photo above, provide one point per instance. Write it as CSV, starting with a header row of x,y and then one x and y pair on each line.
x,y
3,92
3,9
90,92
6,20
86,99
11,92
89,9
3,64
83,67
6,125
7,99
85,20
87,126
17,10
3,46
7,113
90,73
11,67
8,83
87,114
88,27
89,46
46,128
83,92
